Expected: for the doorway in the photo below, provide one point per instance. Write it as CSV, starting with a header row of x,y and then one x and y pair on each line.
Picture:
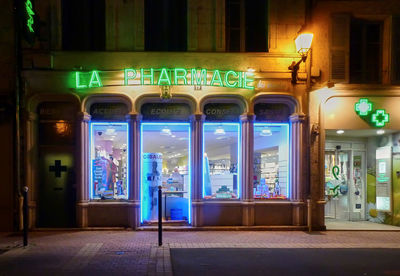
x,y
345,184
165,162
56,163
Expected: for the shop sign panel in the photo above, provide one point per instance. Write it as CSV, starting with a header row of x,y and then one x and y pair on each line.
x,y
165,111
108,111
272,112
222,112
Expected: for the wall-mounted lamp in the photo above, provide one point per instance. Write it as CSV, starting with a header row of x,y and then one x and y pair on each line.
x,y
303,46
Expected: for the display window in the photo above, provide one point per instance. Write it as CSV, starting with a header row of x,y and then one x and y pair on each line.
x,y
221,157
165,152
271,161
109,160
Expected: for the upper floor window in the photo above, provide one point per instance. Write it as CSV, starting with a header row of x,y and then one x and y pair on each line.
x,y
165,25
356,49
83,25
246,25
365,51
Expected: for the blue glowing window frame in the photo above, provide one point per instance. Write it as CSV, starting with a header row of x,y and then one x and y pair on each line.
x,y
239,168
288,139
91,143
189,163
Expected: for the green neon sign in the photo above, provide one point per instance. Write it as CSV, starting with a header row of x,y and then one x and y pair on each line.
x,y
170,76
363,107
30,13
380,118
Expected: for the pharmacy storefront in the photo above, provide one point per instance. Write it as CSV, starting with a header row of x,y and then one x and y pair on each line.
x,y
224,149
362,158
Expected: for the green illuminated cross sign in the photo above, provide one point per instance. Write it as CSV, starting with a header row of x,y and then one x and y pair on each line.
x,y
363,107
30,13
380,118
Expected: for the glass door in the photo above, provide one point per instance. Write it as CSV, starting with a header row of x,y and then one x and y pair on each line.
x,y
337,180
357,188
165,153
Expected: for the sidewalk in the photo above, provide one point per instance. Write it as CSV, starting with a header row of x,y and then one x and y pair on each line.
x,y
137,253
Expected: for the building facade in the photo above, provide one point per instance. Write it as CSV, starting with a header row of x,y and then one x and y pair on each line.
x,y
353,114
197,97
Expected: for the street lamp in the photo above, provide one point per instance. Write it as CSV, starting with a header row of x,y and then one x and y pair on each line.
x,y
303,46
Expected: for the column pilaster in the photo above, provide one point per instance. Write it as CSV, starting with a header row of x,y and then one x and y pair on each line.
x,y
196,165
83,169
246,168
133,120
297,166
31,162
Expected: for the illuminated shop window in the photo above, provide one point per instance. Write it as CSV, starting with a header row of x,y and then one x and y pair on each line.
x,y
271,161
109,160
221,160
165,151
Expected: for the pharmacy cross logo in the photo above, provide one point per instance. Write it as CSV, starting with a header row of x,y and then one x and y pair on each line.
x,y
380,118
57,168
30,13
363,107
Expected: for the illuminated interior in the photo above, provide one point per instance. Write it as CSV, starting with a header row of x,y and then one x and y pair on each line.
x,y
221,160
109,160
271,161
361,174
165,151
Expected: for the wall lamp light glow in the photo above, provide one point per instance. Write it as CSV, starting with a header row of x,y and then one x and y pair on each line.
x,y
340,131
303,45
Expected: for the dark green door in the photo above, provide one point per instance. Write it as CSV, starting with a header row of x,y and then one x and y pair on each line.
x,y
57,183
56,189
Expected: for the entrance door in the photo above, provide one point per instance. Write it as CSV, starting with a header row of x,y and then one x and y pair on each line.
x,y
165,151
56,188
357,189
337,180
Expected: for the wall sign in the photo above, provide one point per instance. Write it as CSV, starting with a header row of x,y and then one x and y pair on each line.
x,y
169,76
272,112
222,112
375,117
383,178
57,111
165,111
108,111
28,19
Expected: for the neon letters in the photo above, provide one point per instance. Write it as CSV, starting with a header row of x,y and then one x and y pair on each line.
x,y
170,76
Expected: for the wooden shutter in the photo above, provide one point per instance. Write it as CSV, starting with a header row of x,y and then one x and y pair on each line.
x,y
395,49
339,47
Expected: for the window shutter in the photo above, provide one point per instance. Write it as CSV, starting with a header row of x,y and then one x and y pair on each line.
x,y
395,49
339,47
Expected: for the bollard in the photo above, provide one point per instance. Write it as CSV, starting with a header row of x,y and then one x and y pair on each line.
x,y
309,215
25,215
159,216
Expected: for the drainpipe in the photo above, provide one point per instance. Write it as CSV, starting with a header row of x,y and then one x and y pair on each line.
x,y
17,96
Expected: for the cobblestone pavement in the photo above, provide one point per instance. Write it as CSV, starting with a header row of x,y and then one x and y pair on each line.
x,y
137,253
